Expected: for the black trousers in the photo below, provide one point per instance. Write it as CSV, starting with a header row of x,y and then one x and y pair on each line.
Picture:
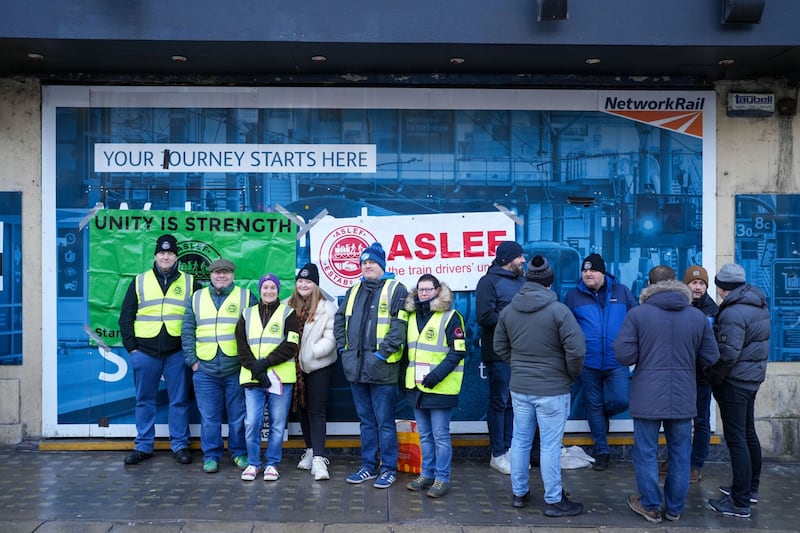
x,y
313,418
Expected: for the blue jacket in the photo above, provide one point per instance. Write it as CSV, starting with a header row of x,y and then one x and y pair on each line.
x,y
600,315
667,339
495,290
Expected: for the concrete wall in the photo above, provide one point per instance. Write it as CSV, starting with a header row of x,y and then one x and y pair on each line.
x,y
753,156
21,170
758,156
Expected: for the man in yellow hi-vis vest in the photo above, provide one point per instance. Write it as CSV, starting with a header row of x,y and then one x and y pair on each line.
x,y
370,331
209,349
150,324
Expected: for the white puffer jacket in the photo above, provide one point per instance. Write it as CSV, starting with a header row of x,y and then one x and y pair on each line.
x,y
318,345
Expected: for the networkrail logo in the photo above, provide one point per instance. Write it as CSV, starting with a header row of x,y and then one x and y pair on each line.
x,y
684,115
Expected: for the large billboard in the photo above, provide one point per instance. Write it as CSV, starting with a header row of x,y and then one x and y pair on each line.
x,y
439,176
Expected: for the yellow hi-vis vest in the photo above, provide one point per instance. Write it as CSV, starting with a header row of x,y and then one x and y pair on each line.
x,y
429,348
263,341
156,308
384,317
217,327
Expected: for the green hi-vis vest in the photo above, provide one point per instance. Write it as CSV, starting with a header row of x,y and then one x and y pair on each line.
x,y
384,316
156,308
263,342
429,348
217,327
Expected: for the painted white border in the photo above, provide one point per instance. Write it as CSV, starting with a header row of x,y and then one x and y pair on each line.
x,y
54,97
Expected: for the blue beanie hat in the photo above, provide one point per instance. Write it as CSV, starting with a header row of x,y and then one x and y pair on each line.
x,y
269,277
374,252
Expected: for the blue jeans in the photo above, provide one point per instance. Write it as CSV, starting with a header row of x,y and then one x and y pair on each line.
x,y
256,398
550,413
645,459
702,427
434,438
606,393
500,414
736,408
375,408
215,395
147,372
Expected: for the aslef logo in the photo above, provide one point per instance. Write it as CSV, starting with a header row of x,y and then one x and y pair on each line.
x,y
340,251
194,257
684,115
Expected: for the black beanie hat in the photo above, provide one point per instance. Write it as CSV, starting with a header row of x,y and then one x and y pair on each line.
x,y
167,243
506,252
594,262
309,271
539,271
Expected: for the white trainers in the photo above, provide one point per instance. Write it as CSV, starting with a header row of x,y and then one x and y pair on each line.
x,y
319,468
501,463
271,473
250,473
305,461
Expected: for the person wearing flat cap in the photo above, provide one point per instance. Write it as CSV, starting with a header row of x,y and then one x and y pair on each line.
x,y
545,347
494,291
209,349
742,328
315,366
150,325
267,338
600,304
370,330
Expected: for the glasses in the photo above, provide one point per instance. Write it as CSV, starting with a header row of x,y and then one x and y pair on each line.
x,y
426,289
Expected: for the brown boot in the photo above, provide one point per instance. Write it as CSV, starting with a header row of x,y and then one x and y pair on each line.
x,y
663,468
694,475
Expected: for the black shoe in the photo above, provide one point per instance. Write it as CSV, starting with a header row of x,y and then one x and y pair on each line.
x,y
563,508
726,506
521,501
183,456
726,490
136,457
601,462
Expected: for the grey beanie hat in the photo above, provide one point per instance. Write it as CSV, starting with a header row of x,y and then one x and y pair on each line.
x,y
539,271
730,276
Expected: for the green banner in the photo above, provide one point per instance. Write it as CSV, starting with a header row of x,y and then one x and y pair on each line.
x,y
122,244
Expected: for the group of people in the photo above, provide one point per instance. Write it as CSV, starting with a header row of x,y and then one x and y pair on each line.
x,y
682,347
247,355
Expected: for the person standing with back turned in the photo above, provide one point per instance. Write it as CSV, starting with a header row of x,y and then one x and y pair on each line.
x,y
742,328
545,346
494,291
667,339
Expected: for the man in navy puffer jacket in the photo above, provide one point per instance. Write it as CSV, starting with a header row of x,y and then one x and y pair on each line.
x,y
667,339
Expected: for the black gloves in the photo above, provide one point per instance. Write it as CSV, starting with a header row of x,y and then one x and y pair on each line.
x,y
430,380
263,380
259,367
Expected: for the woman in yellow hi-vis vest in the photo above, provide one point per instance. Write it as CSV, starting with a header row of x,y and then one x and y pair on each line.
x,y
266,338
436,350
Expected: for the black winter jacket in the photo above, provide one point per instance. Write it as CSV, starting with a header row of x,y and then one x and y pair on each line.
x,y
666,338
356,339
163,344
494,291
742,328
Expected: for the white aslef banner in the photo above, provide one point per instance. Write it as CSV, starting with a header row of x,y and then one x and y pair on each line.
x,y
457,248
